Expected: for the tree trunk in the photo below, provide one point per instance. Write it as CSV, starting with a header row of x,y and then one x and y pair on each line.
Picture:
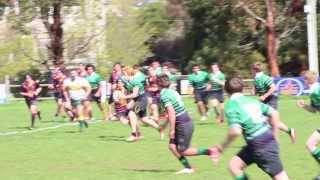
x,y
56,34
272,50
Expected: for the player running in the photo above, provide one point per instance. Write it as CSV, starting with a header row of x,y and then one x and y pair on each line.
x,y
215,91
311,79
180,124
56,84
30,91
94,80
153,91
266,90
82,70
199,81
112,83
76,89
247,117
122,112
134,81
172,77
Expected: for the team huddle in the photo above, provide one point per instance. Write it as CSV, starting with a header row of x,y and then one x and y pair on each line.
x,y
151,98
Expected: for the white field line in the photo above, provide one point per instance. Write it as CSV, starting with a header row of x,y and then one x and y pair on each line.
x,y
44,129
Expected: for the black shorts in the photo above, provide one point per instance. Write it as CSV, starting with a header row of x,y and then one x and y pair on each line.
x,y
215,95
264,152
122,114
31,102
200,95
59,95
183,133
110,101
140,105
92,96
155,98
272,101
315,107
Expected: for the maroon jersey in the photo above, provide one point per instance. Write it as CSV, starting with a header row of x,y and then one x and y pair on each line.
x,y
152,86
114,77
58,83
31,88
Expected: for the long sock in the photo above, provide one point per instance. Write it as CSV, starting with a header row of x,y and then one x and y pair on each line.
x,y
33,119
85,124
203,151
183,160
81,125
316,154
39,115
241,177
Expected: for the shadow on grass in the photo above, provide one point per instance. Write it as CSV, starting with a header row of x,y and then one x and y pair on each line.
x,y
206,123
152,170
23,127
72,131
112,138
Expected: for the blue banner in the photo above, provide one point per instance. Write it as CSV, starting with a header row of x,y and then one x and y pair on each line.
x,y
294,86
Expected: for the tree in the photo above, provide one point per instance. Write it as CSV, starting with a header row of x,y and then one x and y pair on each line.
x,y
237,33
271,22
126,36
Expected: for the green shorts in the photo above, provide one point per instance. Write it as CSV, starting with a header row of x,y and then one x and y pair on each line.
x,y
76,103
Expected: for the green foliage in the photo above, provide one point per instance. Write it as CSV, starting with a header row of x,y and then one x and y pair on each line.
x,y
225,33
126,37
155,15
17,54
218,35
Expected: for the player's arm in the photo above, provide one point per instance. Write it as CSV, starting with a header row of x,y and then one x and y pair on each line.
x,y
233,133
220,81
24,92
209,86
254,91
38,90
87,89
134,94
98,93
274,118
65,92
50,81
274,121
172,120
190,89
301,104
272,89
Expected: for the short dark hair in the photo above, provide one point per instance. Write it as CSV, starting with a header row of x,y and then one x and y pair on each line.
x,y
90,65
163,81
195,65
234,85
214,63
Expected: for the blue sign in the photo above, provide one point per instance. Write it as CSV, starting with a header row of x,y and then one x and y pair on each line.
x,y
290,86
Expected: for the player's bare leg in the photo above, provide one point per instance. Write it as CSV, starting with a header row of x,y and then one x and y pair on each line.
x,y
202,110
133,122
236,167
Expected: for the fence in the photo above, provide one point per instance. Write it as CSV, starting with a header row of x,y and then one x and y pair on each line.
x,y
288,86
11,92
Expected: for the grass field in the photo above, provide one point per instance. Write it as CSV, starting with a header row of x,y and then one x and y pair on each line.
x,y
101,152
